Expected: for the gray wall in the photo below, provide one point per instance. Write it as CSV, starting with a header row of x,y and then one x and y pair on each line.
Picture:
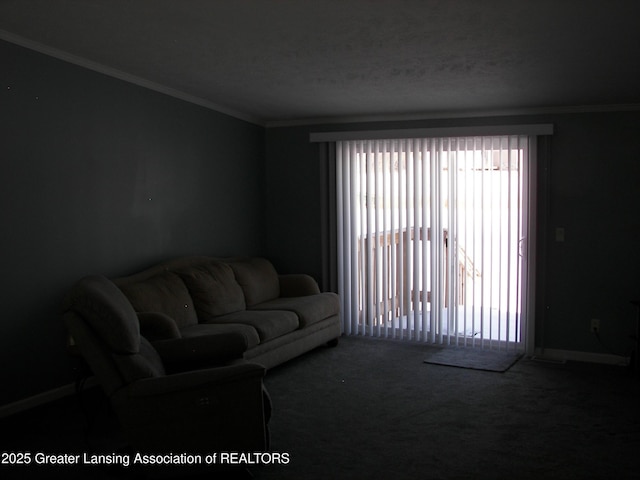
x,y
592,191
101,176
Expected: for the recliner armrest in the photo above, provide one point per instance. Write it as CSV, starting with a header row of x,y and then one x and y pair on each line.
x,y
189,353
201,411
298,285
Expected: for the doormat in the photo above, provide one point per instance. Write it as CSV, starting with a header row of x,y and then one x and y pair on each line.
x,y
474,358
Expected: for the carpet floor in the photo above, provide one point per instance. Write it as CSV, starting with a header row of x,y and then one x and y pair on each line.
x,y
372,409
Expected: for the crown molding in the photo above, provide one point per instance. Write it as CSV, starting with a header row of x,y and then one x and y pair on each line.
x,y
452,115
120,75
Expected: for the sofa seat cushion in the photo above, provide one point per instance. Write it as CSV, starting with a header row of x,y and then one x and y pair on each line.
x,y
164,293
203,329
214,289
268,324
309,309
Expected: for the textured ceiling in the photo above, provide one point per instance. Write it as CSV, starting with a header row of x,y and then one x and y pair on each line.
x,y
288,61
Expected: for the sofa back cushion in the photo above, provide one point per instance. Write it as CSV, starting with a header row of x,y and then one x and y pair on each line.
x,y
214,289
258,279
164,293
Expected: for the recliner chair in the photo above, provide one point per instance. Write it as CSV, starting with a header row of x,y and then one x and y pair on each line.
x,y
160,406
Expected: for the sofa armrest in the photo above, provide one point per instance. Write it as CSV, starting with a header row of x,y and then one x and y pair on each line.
x,y
191,353
157,326
298,285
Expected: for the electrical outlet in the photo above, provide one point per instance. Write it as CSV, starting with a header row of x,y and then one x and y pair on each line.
x,y
595,325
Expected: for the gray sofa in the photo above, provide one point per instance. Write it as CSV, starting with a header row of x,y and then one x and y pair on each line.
x,y
275,317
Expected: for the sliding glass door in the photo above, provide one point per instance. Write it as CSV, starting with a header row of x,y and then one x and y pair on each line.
x,y
432,239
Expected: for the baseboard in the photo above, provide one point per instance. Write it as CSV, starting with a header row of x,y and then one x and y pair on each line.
x,y
41,399
555,355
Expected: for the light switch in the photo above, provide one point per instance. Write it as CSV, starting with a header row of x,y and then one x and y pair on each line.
x,y
559,234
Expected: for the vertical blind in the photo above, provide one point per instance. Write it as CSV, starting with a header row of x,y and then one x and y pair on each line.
x,y
431,236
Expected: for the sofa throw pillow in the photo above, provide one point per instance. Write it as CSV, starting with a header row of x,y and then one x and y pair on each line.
x,y
165,293
258,279
214,289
